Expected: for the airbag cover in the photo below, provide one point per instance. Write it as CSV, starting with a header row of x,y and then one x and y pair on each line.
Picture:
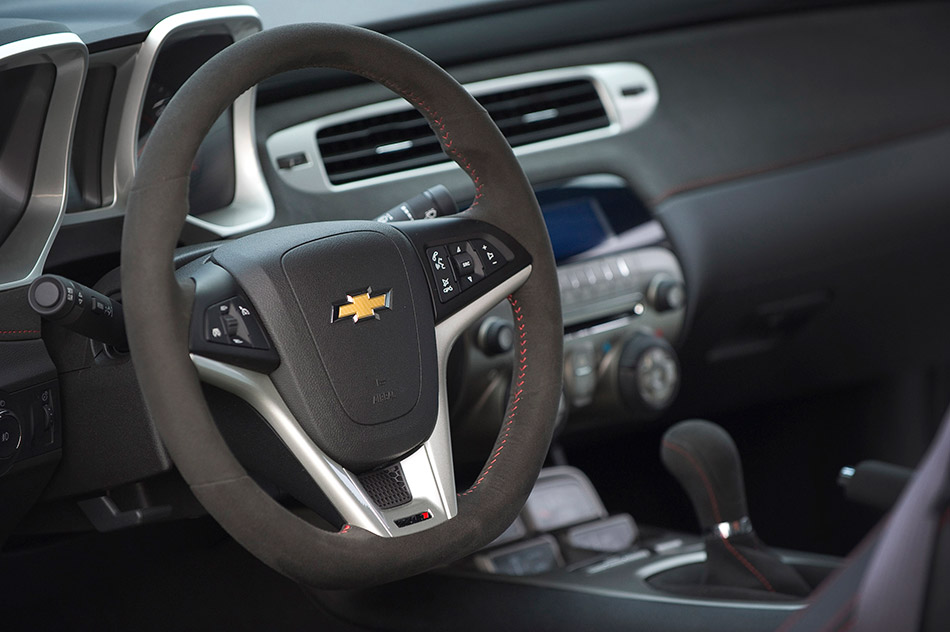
x,y
353,291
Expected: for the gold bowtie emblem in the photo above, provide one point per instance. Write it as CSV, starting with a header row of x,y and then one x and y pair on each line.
x,y
360,306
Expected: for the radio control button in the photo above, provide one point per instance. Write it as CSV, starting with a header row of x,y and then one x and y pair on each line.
x,y
491,257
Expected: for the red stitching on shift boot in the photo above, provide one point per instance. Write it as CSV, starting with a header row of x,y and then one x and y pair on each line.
x,y
516,395
748,565
715,509
20,331
435,119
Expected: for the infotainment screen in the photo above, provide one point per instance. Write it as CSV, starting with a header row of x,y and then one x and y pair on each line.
x,y
589,214
575,226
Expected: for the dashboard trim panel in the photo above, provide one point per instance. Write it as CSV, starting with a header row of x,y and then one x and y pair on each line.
x,y
252,206
23,253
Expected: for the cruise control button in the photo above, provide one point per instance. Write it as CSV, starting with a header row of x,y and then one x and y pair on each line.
x,y
491,257
216,333
231,322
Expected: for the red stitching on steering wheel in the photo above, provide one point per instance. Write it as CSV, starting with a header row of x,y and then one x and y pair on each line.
x,y
446,141
516,396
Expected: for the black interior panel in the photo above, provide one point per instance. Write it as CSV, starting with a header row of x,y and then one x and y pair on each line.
x,y
736,99
816,274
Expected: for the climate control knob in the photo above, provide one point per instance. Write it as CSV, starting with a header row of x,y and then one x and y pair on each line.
x,y
666,294
648,374
495,336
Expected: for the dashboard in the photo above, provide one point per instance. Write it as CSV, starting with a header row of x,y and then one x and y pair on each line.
x,y
706,249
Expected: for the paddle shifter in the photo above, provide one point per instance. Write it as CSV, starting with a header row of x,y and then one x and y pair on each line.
x,y
704,459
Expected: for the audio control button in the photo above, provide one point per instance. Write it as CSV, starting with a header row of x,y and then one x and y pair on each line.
x,y
491,257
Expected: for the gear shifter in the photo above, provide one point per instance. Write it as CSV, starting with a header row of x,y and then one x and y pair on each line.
x,y
703,458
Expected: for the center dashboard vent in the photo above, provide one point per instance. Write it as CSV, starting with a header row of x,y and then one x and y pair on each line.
x,y
397,141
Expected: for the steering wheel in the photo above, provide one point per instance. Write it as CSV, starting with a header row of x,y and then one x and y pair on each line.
x,y
338,333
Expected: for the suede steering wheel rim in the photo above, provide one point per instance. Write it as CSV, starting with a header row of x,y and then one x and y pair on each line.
x,y
158,308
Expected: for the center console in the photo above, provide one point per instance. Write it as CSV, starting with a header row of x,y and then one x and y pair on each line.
x,y
565,539
566,564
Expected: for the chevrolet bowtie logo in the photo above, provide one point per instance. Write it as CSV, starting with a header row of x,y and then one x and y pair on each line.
x,y
360,306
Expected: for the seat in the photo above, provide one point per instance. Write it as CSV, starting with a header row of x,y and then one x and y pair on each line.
x,y
898,578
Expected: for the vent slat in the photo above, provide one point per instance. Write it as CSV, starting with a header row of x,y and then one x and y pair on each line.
x,y
429,143
398,141
415,127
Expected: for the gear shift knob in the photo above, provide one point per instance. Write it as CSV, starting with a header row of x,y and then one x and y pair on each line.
x,y
704,459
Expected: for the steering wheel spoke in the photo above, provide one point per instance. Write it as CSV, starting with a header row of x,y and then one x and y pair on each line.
x,y
232,349
411,495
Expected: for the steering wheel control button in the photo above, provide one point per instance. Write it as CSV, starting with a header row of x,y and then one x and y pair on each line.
x,y
468,281
464,264
491,257
446,285
232,322
468,267
9,434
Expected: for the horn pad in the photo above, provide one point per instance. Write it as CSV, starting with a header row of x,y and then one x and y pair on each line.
x,y
353,291
349,310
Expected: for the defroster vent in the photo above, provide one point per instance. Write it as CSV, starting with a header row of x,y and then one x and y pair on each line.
x,y
389,143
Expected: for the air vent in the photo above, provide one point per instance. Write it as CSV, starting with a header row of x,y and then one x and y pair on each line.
x,y
397,141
